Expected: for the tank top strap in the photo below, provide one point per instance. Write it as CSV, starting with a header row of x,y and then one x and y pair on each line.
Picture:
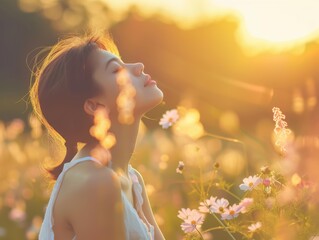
x,y
78,160
137,188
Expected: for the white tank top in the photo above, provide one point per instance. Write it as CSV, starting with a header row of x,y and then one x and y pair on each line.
x,y
136,225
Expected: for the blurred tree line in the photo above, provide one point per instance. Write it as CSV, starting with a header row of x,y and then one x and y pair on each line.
x,y
206,64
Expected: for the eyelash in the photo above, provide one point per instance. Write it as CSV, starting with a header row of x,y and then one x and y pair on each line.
x,y
118,69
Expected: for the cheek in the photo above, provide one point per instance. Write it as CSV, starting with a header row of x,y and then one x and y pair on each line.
x,y
109,92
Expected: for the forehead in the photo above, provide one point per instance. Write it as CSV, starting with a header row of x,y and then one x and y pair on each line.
x,y
101,57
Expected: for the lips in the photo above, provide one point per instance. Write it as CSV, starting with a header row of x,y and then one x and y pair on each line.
x,y
149,78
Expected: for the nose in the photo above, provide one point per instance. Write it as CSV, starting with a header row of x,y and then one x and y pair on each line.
x,y
138,68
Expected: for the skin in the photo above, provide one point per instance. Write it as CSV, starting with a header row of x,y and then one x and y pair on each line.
x,y
90,184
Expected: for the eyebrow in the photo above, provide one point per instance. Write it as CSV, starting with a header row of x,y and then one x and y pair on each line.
x,y
111,60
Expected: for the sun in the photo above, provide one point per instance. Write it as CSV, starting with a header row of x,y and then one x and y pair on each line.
x,y
276,25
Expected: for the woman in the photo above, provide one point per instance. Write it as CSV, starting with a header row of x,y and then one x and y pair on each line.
x,y
101,196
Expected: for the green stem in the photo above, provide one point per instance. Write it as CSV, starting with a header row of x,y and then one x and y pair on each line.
x,y
202,191
221,223
232,194
283,185
200,234
212,229
196,187
211,181
224,138
231,140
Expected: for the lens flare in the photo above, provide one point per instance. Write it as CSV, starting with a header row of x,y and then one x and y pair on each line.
x,y
189,123
125,100
100,128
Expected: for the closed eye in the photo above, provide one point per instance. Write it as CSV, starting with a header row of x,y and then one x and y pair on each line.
x,y
118,69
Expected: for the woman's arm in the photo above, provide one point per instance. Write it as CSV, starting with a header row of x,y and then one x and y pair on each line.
x,y
97,212
148,210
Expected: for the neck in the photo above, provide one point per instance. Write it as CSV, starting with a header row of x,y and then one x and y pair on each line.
x,y
123,149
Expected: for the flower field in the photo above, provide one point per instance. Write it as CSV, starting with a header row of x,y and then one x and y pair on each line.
x,y
201,185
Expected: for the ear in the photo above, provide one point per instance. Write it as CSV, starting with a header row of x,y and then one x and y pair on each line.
x,y
90,106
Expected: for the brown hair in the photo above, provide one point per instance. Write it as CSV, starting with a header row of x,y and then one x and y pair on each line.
x,y
62,83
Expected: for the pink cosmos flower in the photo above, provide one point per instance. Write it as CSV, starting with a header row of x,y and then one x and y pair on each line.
x,y
169,118
231,212
15,128
219,206
267,182
17,214
254,227
204,206
194,221
250,183
245,203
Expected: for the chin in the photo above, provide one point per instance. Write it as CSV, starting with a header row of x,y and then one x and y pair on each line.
x,y
152,103
159,98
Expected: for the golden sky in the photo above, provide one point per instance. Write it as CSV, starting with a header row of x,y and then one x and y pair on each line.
x,y
264,24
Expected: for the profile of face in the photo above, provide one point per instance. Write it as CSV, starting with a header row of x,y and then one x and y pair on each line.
x,y
107,69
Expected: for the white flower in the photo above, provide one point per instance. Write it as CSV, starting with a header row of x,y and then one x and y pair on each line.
x,y
184,213
204,206
194,220
180,167
231,212
254,227
245,203
169,118
219,206
250,183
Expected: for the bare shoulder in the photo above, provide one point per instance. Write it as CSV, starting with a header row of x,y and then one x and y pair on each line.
x,y
95,172
104,178
101,186
84,172
96,204
90,178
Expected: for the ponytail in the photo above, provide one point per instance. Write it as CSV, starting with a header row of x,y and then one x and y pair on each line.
x,y
71,150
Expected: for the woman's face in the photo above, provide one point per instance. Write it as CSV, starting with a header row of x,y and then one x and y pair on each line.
x,y
109,68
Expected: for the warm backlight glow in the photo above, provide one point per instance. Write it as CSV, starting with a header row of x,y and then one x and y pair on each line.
x,y
276,25
263,25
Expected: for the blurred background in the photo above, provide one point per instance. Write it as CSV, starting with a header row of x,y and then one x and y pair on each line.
x,y
229,61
